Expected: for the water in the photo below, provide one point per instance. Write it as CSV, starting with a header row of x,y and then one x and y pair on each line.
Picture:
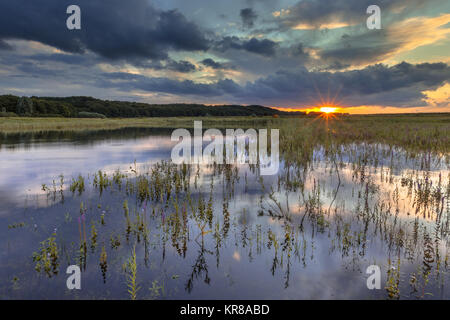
x,y
226,233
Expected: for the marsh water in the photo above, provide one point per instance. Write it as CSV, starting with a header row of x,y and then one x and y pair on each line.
x,y
140,227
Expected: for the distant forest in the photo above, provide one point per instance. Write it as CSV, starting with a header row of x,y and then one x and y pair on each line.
x,y
88,107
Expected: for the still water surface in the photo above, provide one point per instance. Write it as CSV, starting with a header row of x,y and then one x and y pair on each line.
x,y
309,232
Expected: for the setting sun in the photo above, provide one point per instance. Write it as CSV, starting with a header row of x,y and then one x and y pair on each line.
x,y
328,109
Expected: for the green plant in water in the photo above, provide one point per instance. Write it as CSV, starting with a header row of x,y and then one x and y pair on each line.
x,y
156,290
103,263
77,185
115,242
101,181
117,178
47,257
93,237
16,225
131,270
143,188
393,280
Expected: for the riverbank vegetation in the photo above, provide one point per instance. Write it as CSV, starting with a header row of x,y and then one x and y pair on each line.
x,y
419,132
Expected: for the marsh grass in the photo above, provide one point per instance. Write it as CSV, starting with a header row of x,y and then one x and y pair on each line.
x,y
23,124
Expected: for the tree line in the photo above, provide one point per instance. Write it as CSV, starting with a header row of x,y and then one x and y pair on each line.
x,y
73,107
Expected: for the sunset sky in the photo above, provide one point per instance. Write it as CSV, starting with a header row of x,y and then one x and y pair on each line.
x,y
286,54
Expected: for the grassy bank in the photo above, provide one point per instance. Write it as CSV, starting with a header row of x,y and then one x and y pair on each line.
x,y
362,122
429,132
22,124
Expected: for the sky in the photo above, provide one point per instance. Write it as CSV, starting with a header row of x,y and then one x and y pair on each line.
x,y
288,54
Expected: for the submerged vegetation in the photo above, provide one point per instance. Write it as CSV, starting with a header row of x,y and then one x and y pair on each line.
x,y
351,193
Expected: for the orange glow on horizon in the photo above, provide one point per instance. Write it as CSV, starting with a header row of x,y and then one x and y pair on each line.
x,y
370,109
323,109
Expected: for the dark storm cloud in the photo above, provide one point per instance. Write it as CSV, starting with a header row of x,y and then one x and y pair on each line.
x,y
399,85
181,66
263,47
211,63
216,65
115,29
168,64
248,17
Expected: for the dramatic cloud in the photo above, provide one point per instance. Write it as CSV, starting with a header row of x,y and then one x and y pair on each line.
x,y
379,45
401,85
286,53
181,66
216,65
117,29
263,47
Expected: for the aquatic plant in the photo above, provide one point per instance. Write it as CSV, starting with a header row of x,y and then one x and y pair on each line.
x,y
131,276
47,257
77,185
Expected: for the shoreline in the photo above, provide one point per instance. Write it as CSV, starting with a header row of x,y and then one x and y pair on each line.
x,y
29,124
33,124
